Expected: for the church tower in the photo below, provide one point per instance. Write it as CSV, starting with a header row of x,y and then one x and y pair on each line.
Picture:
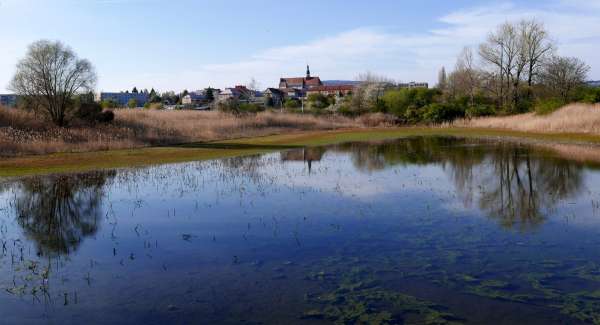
x,y
307,72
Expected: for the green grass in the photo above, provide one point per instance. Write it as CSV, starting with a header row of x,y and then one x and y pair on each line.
x,y
79,162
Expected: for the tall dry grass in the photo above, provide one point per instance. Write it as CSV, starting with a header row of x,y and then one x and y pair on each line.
x,y
574,118
23,133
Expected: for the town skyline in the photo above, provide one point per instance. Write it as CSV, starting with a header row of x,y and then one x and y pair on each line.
x,y
406,42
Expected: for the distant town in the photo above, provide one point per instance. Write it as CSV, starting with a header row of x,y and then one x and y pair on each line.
x,y
292,91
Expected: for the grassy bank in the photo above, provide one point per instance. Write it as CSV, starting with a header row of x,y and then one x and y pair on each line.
x,y
23,133
72,162
574,118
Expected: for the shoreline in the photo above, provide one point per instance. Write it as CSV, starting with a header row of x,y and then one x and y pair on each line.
x,y
140,157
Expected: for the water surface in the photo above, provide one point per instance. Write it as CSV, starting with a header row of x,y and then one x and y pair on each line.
x,y
415,231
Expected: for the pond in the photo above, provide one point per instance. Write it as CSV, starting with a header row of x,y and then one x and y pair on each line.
x,y
424,230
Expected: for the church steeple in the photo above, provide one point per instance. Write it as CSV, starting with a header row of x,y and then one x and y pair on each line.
x,y
307,71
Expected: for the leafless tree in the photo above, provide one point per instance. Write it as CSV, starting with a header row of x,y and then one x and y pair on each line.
x,y
50,76
537,47
465,78
502,50
516,52
563,74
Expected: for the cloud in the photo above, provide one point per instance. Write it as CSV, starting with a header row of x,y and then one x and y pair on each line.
x,y
412,56
400,55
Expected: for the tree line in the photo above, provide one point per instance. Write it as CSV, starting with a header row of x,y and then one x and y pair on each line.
x,y
516,70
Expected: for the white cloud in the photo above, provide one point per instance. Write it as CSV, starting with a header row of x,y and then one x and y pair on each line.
x,y
418,56
403,56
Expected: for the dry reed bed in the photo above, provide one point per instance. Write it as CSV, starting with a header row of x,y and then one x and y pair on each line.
x,y
23,133
574,118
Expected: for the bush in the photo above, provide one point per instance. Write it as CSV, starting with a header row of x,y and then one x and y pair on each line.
x,y
153,106
589,95
439,113
106,117
132,103
413,115
480,110
548,106
109,104
320,101
93,113
250,108
292,103
400,101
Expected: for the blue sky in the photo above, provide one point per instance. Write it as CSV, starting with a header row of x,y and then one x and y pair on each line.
x,y
185,44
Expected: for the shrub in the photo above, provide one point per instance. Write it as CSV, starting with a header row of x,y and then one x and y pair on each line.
x,y
399,101
292,103
109,104
413,114
548,106
132,103
439,113
93,113
250,108
154,106
320,101
480,110
106,117
589,95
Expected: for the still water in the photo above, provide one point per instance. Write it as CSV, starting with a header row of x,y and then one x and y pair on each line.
x,y
412,231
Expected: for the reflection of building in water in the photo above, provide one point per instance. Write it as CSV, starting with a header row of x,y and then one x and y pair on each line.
x,y
305,154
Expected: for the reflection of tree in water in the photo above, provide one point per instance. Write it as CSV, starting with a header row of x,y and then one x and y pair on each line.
x,y
517,187
58,212
308,155
521,190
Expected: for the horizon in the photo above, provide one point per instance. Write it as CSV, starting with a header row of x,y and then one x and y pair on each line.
x,y
171,47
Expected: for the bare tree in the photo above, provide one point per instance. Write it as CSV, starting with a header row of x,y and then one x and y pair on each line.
x,y
563,74
50,76
516,52
537,47
495,52
465,78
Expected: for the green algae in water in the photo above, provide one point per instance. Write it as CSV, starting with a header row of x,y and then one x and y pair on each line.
x,y
357,298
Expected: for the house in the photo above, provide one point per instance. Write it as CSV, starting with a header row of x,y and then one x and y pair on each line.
x,y
194,99
292,93
122,99
413,85
338,90
8,100
240,93
300,83
275,95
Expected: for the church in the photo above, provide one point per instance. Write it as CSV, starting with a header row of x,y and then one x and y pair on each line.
x,y
300,83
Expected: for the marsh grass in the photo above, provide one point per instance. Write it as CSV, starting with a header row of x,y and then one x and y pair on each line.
x,y
574,118
24,133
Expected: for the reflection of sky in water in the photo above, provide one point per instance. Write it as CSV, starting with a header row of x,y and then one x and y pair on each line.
x,y
175,242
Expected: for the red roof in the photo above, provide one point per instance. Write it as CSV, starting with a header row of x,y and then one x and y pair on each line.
x,y
311,81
